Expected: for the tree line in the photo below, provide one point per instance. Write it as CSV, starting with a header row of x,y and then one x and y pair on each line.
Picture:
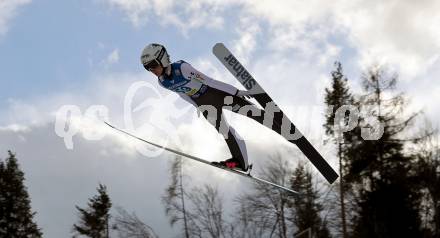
x,y
389,186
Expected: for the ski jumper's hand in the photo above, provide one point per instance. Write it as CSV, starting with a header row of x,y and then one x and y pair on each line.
x,y
244,94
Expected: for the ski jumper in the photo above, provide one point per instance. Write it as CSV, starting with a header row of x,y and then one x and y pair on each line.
x,y
201,90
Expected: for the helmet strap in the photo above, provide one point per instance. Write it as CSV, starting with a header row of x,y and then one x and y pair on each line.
x,y
167,70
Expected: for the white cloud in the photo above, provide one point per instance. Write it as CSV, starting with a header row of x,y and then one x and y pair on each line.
x,y
135,9
246,44
8,10
424,94
103,56
182,14
403,34
14,128
113,57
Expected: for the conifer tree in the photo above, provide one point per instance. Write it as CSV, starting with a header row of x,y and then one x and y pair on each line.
x,y
337,96
94,219
306,206
380,169
16,217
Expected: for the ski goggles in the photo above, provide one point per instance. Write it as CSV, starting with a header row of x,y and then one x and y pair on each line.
x,y
151,65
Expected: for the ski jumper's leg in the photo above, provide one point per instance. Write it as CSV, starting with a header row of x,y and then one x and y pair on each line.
x,y
236,146
215,117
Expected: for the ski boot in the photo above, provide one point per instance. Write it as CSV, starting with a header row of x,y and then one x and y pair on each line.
x,y
231,163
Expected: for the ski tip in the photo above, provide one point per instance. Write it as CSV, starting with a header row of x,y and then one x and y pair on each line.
x,y
108,124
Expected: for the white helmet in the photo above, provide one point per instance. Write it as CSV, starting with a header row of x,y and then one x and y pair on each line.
x,y
153,55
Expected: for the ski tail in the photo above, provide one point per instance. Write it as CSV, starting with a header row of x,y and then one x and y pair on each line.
x,y
317,160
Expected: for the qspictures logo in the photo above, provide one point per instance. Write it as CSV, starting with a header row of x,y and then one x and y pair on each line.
x,y
161,119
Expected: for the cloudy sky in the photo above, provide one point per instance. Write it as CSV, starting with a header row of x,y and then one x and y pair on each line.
x,y
86,54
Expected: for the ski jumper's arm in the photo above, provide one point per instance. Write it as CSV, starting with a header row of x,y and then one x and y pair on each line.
x,y
191,73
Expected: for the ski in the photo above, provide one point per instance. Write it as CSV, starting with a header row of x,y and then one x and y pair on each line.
x,y
244,174
249,82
